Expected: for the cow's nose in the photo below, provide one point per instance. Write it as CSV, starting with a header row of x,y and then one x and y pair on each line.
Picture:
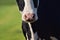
x,y
29,17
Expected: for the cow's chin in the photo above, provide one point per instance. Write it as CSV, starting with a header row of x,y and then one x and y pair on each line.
x,y
30,21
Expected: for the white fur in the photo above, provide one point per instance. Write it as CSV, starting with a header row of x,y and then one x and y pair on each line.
x,y
29,8
35,36
38,3
32,34
53,38
27,36
39,38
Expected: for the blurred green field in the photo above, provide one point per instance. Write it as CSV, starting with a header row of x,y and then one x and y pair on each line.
x,y
10,21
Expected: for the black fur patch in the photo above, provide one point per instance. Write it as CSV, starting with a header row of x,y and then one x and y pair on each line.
x,y
21,4
35,3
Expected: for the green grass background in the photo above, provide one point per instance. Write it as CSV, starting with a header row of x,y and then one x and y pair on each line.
x,y
10,21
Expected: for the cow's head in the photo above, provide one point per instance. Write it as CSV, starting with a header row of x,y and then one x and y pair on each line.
x,y
28,9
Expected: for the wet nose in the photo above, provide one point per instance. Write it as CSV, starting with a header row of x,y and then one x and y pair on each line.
x,y
29,17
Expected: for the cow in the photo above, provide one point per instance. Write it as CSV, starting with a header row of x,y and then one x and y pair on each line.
x,y
40,19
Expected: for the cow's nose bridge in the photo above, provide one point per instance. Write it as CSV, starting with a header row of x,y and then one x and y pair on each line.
x,y
29,6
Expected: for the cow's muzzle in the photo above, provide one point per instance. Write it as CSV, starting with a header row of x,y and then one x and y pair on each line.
x,y
29,17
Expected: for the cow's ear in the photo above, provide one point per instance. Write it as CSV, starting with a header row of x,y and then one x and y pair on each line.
x,y
21,4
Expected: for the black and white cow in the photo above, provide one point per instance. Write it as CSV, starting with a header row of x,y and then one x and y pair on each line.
x,y
44,18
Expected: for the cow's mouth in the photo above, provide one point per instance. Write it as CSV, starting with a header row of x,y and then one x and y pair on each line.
x,y
31,21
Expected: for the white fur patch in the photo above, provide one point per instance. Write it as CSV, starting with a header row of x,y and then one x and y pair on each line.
x,y
35,36
53,38
32,34
39,38
27,36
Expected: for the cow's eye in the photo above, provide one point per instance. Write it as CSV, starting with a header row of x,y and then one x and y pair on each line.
x,y
21,4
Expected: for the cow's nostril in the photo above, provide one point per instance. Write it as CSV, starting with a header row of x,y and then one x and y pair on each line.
x,y
33,16
29,17
25,16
